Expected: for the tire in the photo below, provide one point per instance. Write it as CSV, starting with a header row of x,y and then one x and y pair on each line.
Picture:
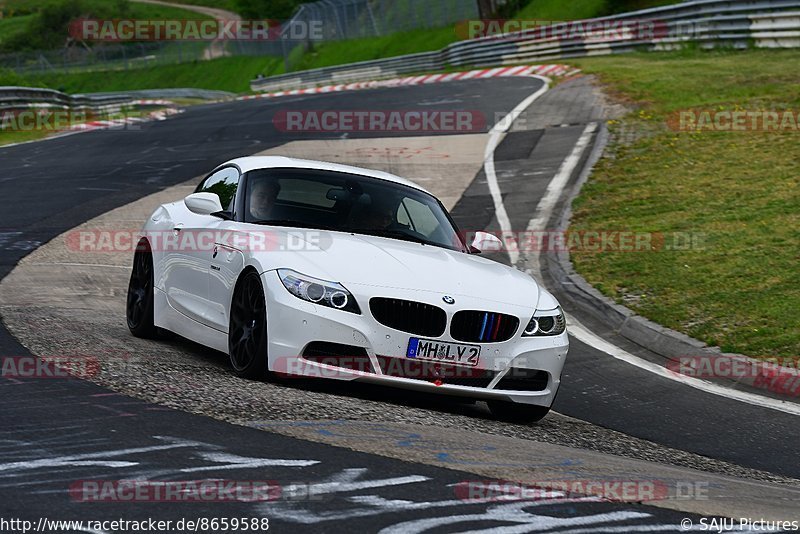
x,y
139,304
247,333
517,413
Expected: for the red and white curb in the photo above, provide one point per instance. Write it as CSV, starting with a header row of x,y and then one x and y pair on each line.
x,y
140,102
498,72
152,102
159,115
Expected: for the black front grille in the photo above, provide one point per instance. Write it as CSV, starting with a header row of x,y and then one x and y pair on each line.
x,y
518,379
455,375
483,326
409,316
338,355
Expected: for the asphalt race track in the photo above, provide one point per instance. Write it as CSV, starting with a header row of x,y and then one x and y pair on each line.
x,y
57,432
89,432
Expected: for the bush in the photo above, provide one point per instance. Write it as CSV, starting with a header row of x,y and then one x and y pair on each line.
x,y
267,9
9,77
49,27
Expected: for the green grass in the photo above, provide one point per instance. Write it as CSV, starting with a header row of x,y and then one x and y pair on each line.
x,y
583,9
57,125
226,74
560,10
9,77
10,137
667,82
11,26
228,5
234,73
336,53
738,192
43,24
425,40
17,8
154,11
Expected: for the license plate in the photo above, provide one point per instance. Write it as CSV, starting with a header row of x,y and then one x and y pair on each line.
x,y
439,351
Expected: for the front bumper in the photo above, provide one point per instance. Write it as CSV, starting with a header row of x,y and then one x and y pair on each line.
x,y
293,324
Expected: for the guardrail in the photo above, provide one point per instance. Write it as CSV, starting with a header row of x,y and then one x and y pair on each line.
x,y
351,72
707,23
12,97
22,97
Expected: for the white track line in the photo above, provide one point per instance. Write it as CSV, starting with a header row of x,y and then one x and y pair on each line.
x,y
539,221
593,340
553,192
495,136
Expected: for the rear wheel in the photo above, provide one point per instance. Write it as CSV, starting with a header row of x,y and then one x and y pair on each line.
x,y
247,334
517,413
139,306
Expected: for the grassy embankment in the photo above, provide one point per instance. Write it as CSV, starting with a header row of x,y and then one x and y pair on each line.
x,y
738,191
234,73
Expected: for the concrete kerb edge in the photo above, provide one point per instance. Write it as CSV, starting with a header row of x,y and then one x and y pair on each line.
x,y
664,342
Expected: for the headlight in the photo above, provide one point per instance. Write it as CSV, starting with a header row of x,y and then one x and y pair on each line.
x,y
322,292
546,323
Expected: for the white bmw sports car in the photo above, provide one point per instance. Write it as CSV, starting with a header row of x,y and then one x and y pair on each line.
x,y
296,267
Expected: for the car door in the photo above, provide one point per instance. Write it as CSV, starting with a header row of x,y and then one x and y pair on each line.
x,y
188,288
226,262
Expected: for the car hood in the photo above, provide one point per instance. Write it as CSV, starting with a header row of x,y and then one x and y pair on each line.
x,y
360,260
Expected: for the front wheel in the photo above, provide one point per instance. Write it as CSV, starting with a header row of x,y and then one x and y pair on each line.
x,y
517,413
247,334
139,306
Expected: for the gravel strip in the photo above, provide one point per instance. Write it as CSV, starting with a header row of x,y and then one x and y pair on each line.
x,y
183,375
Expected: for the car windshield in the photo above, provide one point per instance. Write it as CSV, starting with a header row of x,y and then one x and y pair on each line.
x,y
311,198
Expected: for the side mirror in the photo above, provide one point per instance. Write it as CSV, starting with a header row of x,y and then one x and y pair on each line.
x,y
203,203
485,242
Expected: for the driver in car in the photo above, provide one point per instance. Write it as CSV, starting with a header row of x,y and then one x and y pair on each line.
x,y
263,194
381,215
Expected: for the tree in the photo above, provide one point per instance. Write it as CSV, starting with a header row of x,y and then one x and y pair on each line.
x,y
267,9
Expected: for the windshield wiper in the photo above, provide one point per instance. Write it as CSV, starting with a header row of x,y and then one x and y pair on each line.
x,y
394,234
293,223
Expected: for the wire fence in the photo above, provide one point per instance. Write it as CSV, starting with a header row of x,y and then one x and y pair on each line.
x,y
101,57
104,57
354,19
